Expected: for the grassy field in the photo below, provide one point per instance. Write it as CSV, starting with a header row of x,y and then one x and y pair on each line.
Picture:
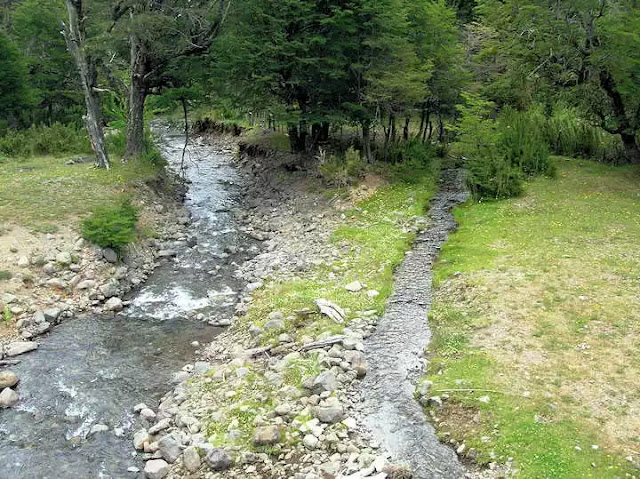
x,y
42,191
536,326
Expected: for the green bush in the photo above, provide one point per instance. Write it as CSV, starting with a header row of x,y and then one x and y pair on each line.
x,y
493,177
570,135
45,140
413,152
523,141
111,227
342,170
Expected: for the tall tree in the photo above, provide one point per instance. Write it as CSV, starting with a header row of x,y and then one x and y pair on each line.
x,y
160,34
76,38
586,50
14,92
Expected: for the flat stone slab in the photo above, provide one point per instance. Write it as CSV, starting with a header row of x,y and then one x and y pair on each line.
x,y
20,347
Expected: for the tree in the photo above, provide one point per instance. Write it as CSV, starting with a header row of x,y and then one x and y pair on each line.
x,y
75,35
159,35
14,92
586,50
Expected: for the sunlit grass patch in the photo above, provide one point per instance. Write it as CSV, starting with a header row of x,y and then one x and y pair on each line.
x,y
537,300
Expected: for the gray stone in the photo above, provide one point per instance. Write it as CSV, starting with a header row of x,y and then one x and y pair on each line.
x,y
56,283
49,268
97,428
23,261
266,435
329,411
156,469
20,347
201,367
147,414
218,459
283,409
42,328
7,298
354,287
140,438
86,284
38,317
169,448
8,379
160,426
8,398
191,459
310,441
325,381
109,289
64,258
51,314
110,255
114,304
274,324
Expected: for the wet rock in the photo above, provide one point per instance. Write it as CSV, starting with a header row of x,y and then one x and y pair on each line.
x,y
266,435
218,459
97,428
140,438
8,398
114,304
20,347
329,411
148,414
169,448
51,314
160,426
109,289
156,469
110,255
64,258
8,379
325,381
191,459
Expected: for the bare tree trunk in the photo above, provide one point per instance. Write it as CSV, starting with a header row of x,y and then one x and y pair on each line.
x,y
137,98
405,131
366,141
75,38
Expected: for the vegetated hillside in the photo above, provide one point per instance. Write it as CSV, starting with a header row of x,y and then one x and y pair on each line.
x,y
536,326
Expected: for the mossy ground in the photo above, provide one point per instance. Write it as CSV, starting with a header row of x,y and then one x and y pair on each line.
x,y
535,324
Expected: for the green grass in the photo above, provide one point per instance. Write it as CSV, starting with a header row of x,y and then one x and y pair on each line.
x,y
536,307
39,192
373,236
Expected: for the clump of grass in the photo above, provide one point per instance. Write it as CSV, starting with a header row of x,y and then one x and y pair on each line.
x,y
531,337
7,315
111,227
342,170
5,275
41,140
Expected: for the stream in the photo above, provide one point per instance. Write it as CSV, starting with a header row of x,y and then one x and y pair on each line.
x,y
92,370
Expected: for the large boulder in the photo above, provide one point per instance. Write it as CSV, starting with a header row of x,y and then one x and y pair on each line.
x,y
20,347
325,381
8,379
218,459
170,449
156,469
114,304
8,398
191,459
329,411
266,435
64,258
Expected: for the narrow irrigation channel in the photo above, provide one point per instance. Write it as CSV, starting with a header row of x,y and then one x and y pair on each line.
x,y
77,390
395,351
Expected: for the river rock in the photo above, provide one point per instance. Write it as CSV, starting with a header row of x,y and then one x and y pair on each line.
x,y
169,448
96,428
274,324
329,411
160,426
156,469
8,398
218,459
20,347
325,381
110,255
109,289
7,298
23,261
140,438
86,284
8,379
51,314
114,304
64,258
354,287
191,459
56,283
147,414
266,435
310,441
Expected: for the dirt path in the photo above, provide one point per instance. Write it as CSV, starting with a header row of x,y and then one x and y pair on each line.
x,y
395,351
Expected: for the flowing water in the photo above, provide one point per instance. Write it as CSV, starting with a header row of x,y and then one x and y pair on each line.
x,y
93,370
395,351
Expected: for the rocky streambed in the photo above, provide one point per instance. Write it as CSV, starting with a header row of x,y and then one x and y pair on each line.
x,y
74,417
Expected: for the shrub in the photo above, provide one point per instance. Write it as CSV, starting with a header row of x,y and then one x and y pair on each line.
x,y
342,170
45,140
413,152
491,177
111,227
